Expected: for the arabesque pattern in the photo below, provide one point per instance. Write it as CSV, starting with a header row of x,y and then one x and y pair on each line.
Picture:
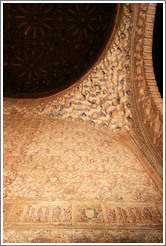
x,y
60,174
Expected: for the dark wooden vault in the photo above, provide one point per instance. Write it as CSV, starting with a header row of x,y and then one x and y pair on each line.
x,y
50,46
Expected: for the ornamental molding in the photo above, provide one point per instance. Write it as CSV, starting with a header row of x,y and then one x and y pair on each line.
x,y
147,113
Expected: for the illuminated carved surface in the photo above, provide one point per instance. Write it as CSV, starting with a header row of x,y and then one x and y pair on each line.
x,y
84,236
37,147
85,178
47,47
95,180
146,100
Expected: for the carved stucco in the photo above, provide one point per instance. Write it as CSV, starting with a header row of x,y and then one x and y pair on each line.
x,y
147,127
117,93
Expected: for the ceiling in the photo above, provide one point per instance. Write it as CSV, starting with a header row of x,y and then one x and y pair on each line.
x,y
50,46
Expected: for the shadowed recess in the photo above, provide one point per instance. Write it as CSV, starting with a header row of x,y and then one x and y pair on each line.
x,y
158,47
48,46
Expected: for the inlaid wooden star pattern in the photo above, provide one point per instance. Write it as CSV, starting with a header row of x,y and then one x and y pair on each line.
x,y
49,46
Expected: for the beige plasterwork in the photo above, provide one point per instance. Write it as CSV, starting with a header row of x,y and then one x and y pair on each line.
x,y
119,93
54,190
147,127
89,178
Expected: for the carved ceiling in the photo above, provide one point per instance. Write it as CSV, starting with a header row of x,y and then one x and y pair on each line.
x,y
48,47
